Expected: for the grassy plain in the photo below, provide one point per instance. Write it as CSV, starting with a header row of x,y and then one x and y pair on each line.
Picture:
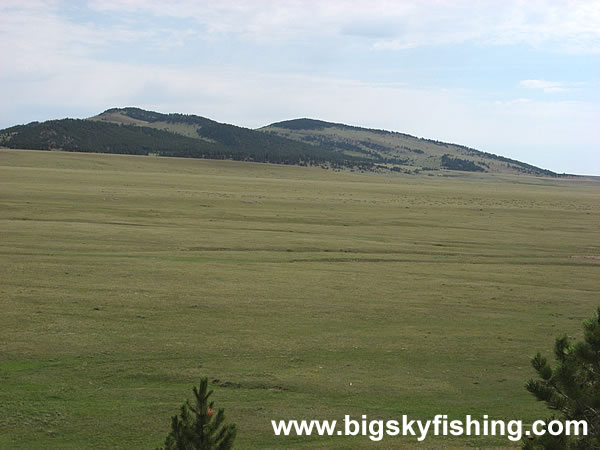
x,y
306,293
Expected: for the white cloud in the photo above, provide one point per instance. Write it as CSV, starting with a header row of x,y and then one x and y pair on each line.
x,y
562,26
516,101
547,86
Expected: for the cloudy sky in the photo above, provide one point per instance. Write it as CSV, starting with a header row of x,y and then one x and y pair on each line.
x,y
516,78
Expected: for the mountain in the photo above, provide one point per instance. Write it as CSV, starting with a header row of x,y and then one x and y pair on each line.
x,y
139,132
399,151
301,142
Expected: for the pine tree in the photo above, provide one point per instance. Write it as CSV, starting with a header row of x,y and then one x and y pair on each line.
x,y
571,388
199,426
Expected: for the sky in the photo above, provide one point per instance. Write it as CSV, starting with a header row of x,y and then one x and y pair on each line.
x,y
515,78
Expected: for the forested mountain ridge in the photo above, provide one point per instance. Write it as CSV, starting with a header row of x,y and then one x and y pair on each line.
x,y
139,132
300,141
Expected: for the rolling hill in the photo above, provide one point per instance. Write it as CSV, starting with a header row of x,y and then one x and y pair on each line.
x,y
139,132
398,150
300,142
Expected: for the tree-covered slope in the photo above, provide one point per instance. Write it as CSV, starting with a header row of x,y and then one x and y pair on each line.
x,y
242,139
139,132
301,141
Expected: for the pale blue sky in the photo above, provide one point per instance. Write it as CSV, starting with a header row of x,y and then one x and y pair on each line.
x,y
516,78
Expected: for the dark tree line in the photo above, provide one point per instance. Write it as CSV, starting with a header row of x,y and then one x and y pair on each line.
x,y
448,162
228,142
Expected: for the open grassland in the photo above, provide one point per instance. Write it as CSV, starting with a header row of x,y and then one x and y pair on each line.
x,y
306,293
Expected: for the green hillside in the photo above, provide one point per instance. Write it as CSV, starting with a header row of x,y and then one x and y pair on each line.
x,y
398,150
297,142
135,131
263,147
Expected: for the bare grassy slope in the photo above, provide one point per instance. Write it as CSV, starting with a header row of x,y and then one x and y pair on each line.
x,y
408,151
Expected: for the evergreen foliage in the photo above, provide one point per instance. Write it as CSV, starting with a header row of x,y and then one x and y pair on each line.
x,y
451,163
332,141
200,426
304,124
571,388
216,140
221,141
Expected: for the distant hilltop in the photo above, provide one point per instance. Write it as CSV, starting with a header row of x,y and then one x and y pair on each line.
x,y
301,142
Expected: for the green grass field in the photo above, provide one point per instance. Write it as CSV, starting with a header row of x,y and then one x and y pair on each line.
x,y
306,293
